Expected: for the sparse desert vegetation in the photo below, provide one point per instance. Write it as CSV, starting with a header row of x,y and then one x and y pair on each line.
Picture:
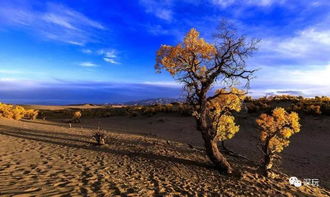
x,y
314,106
157,150
99,137
135,149
76,116
216,140
17,112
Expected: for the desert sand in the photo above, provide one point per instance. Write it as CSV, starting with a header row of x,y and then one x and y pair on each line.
x,y
150,156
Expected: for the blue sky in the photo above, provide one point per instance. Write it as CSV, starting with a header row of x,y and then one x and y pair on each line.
x,y
104,51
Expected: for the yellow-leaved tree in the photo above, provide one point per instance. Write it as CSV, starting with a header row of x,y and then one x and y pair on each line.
x,y
199,66
275,131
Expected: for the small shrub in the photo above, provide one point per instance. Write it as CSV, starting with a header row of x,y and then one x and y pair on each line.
x,y
99,137
149,111
314,109
31,114
76,116
295,107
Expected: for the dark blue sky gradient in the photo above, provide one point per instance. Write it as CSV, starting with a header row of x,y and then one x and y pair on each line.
x,y
48,48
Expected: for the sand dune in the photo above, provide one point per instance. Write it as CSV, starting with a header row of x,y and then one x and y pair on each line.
x,y
46,160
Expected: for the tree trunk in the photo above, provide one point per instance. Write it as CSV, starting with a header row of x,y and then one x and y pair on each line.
x,y
214,154
268,158
268,164
211,145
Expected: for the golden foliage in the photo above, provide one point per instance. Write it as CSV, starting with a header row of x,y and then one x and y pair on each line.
x,y
276,129
314,109
227,100
31,114
220,109
16,112
312,106
76,116
225,127
186,56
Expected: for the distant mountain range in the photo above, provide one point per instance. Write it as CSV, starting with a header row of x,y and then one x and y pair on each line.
x,y
155,101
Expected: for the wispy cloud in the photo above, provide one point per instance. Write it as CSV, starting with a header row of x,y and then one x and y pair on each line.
x,y
87,64
261,3
109,60
161,9
56,22
163,83
307,46
109,55
223,3
308,80
301,76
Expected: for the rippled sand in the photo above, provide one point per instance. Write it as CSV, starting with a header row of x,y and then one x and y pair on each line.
x,y
50,160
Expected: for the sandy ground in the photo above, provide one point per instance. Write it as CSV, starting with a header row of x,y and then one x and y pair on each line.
x,y
47,158
307,156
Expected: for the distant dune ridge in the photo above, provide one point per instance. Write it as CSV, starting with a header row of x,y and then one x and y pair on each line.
x,y
155,101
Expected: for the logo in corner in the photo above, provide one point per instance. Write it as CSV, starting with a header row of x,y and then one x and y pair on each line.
x,y
295,181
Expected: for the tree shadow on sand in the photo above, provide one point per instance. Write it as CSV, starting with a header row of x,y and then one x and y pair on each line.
x,y
84,142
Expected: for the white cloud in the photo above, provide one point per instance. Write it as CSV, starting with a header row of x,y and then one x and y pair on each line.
x,y
297,62
67,41
87,64
317,75
223,3
109,60
163,83
311,75
261,3
69,18
109,55
307,46
309,80
56,22
161,9
264,2
165,14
